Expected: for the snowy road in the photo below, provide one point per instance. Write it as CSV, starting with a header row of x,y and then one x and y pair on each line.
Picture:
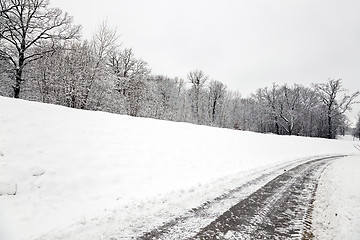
x,y
281,209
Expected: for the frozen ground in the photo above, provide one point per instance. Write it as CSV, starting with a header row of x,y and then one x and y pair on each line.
x,y
83,175
337,206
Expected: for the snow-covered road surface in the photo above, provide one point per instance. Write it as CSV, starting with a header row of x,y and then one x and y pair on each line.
x,y
279,210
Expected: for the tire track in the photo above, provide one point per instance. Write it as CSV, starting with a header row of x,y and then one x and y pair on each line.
x,y
279,210
192,223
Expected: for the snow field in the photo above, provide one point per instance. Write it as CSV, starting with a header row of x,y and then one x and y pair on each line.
x,y
337,203
76,170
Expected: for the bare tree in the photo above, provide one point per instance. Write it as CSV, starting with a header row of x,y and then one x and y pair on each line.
x,y
289,106
102,45
125,64
197,78
130,73
65,76
336,105
217,92
270,98
27,25
127,68
307,112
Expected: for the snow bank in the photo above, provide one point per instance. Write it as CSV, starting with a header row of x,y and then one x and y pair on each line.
x,y
70,166
337,206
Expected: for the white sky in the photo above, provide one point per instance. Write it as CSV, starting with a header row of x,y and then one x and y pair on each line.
x,y
244,44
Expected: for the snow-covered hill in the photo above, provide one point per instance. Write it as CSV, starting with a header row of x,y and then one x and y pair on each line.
x,y
74,169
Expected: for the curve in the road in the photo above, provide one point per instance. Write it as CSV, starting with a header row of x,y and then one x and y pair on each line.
x,y
279,210
266,207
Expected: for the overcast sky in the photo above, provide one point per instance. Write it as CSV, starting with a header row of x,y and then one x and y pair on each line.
x,y
244,44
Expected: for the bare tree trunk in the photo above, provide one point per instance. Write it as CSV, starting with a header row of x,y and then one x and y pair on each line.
x,y
16,87
18,81
330,133
277,127
214,110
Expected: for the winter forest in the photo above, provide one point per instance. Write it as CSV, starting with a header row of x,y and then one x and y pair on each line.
x,y
44,58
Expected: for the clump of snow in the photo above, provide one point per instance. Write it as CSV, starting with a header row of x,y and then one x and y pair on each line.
x,y
128,169
336,213
37,171
7,188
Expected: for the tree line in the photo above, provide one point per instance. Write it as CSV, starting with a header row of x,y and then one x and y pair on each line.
x,y
43,58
